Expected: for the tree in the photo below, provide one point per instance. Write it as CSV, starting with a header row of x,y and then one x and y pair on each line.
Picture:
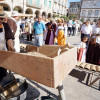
x,y
82,19
55,16
95,20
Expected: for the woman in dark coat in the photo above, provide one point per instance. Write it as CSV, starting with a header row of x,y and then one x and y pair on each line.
x,y
93,52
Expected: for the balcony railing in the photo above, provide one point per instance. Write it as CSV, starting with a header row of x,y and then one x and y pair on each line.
x,y
34,4
54,10
63,3
58,11
55,0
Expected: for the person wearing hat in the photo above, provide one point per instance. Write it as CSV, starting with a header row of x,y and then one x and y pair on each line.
x,y
15,27
6,38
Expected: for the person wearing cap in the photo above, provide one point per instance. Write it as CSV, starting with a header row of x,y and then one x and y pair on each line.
x,y
6,38
15,27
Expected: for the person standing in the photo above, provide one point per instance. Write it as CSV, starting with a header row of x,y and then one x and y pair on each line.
x,y
15,17
86,30
6,39
50,32
40,29
61,33
93,52
81,50
74,27
70,24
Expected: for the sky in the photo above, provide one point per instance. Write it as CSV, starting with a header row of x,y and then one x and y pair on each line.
x,y
72,1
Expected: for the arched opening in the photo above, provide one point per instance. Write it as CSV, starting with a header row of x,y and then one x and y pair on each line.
x,y
29,11
37,12
44,14
19,9
6,7
49,15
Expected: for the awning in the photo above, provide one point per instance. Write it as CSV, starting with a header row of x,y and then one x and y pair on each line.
x,y
20,14
8,13
25,15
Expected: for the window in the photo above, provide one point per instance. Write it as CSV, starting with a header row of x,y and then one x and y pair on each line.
x,y
96,12
45,2
89,13
72,10
38,1
83,12
49,4
30,2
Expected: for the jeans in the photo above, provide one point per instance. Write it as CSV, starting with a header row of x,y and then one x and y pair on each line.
x,y
69,30
38,40
73,29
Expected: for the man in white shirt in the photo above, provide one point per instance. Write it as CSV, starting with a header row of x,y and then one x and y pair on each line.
x,y
86,30
70,24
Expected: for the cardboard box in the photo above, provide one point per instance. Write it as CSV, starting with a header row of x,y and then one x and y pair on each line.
x,y
43,69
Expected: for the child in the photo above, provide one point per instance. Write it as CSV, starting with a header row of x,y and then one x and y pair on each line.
x,y
81,51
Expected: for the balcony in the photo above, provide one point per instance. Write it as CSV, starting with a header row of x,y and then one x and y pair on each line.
x,y
58,11
63,3
54,10
60,2
56,1
66,6
34,4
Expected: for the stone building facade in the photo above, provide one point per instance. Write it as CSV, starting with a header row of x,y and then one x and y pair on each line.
x,y
44,7
90,9
60,7
74,9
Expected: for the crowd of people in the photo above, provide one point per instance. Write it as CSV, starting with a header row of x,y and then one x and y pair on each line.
x,y
45,31
49,32
89,48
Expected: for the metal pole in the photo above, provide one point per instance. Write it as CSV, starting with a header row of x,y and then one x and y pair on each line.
x,y
61,92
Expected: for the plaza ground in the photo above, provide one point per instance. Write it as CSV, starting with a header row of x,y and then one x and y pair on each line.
x,y
75,84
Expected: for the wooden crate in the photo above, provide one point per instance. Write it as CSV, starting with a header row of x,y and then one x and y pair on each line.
x,y
45,70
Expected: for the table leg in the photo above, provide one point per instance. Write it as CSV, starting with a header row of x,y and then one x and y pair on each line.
x,y
61,92
94,81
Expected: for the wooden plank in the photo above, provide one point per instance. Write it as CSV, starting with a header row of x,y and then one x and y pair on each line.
x,y
35,68
47,50
63,65
31,48
48,71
